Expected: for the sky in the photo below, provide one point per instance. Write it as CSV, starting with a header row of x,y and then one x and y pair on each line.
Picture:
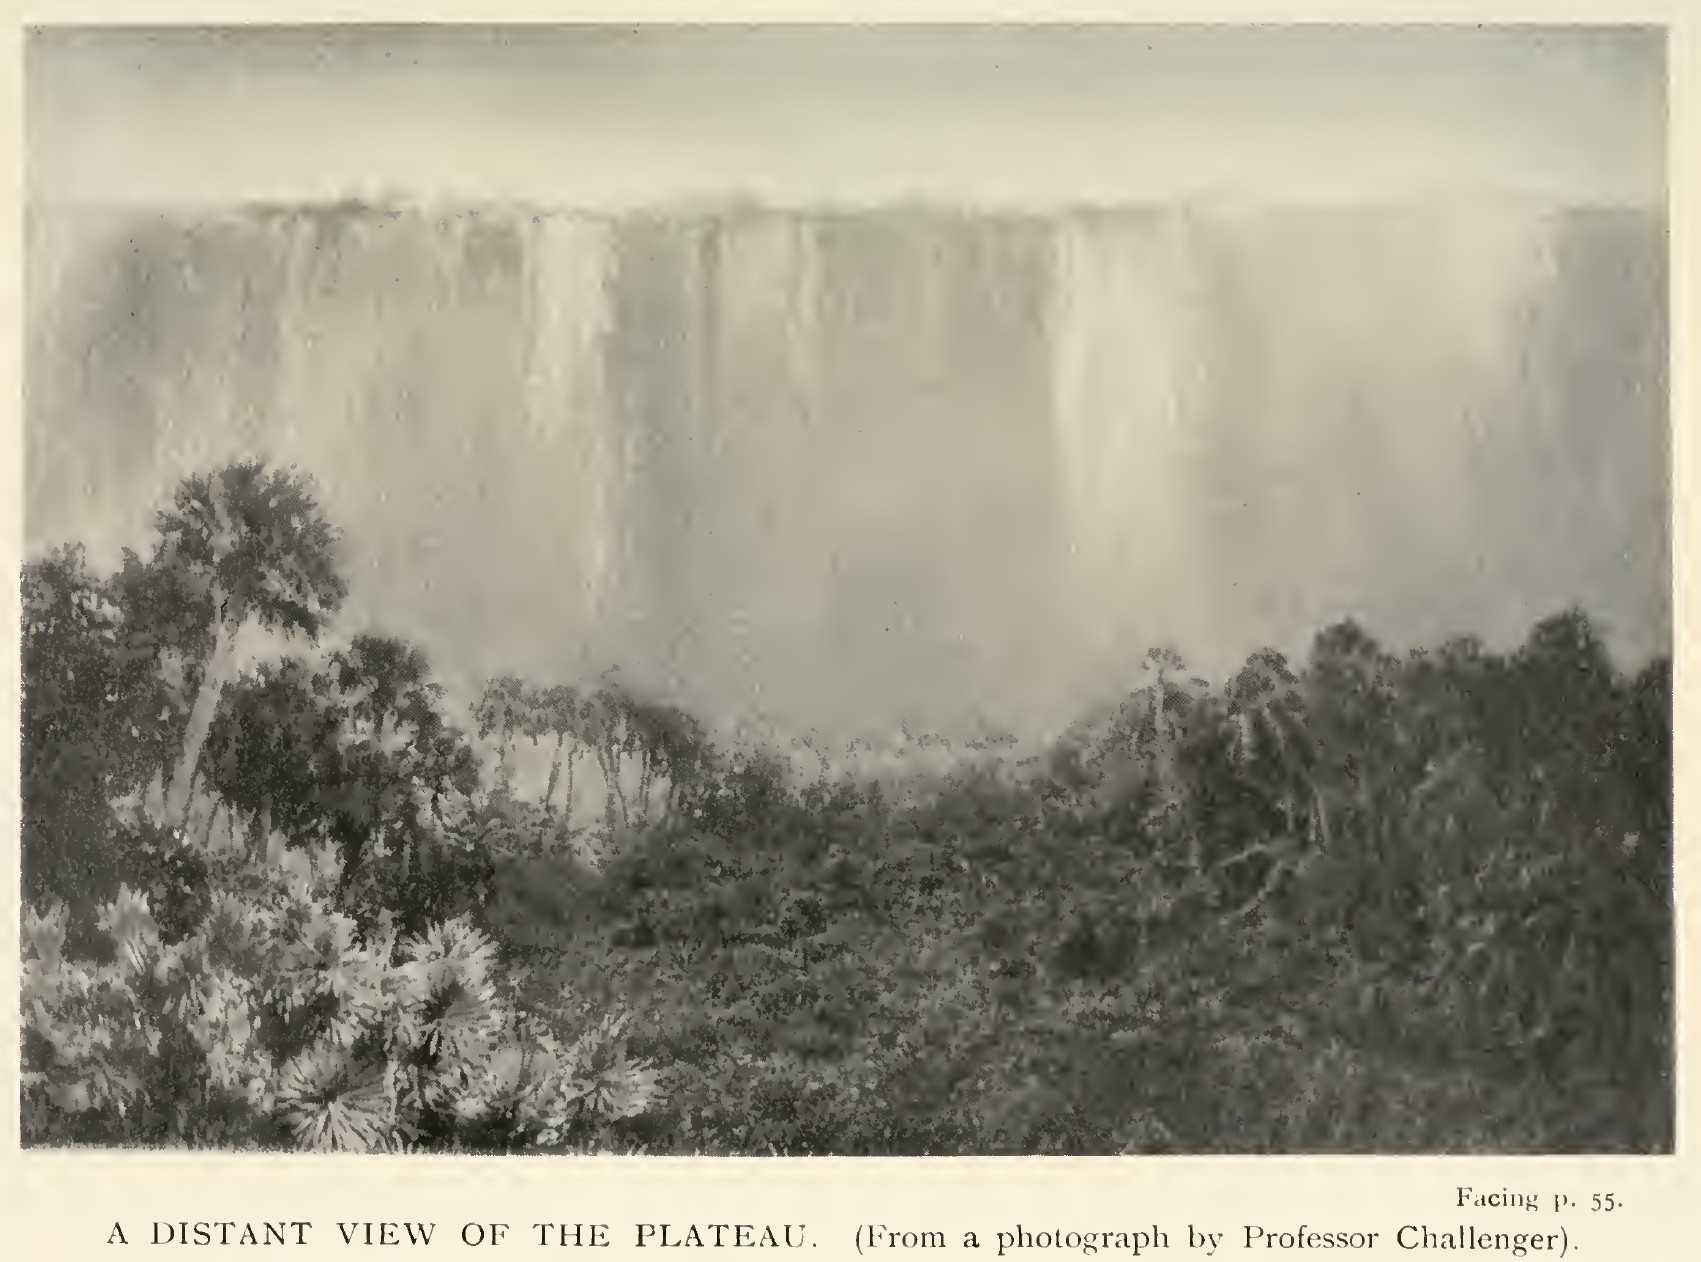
x,y
1026,116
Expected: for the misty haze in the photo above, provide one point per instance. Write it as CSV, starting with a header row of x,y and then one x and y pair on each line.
x,y
1143,671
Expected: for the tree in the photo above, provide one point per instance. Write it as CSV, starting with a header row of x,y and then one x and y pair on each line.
x,y
242,544
75,694
671,749
1248,762
1351,683
606,731
355,750
502,712
556,711
1567,695
105,701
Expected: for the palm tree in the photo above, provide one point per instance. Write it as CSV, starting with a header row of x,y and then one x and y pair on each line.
x,y
501,713
1253,781
556,710
1269,721
606,730
397,747
243,545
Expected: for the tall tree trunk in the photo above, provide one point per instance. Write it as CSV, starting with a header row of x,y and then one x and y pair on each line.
x,y
608,786
260,841
504,732
646,777
554,772
549,789
609,757
221,669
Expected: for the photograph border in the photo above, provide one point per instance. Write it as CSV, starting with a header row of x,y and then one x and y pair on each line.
x,y
64,1204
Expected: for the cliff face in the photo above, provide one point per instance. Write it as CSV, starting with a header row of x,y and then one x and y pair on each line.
x,y
851,469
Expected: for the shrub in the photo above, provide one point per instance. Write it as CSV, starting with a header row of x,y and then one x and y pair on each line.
x,y
279,1022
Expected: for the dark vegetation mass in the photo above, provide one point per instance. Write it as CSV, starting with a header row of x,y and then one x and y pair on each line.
x,y
1366,903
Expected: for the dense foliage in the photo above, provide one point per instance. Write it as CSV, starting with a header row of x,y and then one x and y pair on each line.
x,y
276,896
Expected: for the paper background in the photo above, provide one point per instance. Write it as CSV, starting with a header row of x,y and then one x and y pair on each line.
x,y
59,1205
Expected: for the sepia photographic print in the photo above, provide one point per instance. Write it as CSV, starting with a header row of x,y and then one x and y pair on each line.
x,y
948,590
